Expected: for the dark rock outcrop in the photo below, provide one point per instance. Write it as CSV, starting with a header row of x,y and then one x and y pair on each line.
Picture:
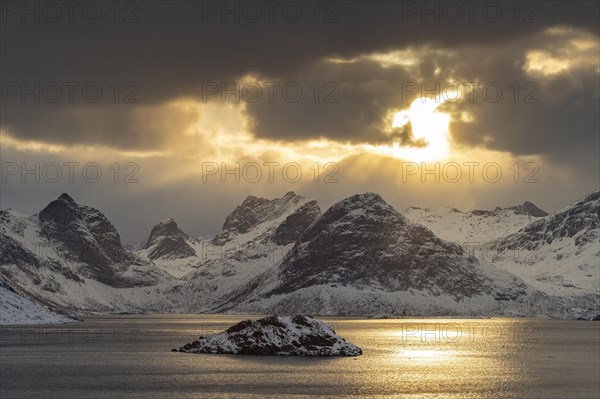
x,y
254,211
294,225
168,241
84,235
527,208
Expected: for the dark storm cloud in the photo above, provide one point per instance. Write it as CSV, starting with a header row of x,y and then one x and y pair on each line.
x,y
175,47
128,127
341,101
554,115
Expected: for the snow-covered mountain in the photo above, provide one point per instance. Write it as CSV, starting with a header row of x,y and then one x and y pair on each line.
x,y
557,254
257,233
477,226
171,249
70,256
560,253
15,309
255,236
280,221
282,255
362,257
168,241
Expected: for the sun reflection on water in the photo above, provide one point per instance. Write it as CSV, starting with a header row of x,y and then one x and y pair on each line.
x,y
428,354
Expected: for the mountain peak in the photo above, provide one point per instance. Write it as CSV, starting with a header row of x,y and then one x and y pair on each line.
x,y
64,208
168,241
369,196
363,214
252,201
529,208
169,221
254,211
87,236
363,200
165,228
66,197
364,241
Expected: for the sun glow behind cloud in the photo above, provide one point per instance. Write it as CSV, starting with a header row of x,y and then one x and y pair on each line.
x,y
222,133
429,126
212,140
232,140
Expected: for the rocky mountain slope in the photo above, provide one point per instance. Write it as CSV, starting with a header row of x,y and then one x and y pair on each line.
x,y
171,249
560,253
258,232
362,256
168,241
280,221
255,236
70,256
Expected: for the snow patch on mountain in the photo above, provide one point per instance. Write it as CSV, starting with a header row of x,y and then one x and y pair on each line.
x,y
477,226
15,309
334,299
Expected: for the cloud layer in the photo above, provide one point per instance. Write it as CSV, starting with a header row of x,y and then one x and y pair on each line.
x,y
153,84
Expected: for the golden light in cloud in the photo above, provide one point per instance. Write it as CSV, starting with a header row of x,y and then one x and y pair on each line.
x,y
575,49
543,62
408,58
221,132
428,124
10,142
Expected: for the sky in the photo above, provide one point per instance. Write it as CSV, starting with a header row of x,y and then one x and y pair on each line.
x,y
148,110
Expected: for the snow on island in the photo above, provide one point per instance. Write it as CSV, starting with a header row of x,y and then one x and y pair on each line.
x,y
276,335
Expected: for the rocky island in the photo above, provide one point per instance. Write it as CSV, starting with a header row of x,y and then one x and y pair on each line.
x,y
276,335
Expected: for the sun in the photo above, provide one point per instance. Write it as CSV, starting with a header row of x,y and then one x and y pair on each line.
x,y
428,125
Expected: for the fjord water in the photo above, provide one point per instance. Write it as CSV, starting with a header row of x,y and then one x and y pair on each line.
x,y
129,356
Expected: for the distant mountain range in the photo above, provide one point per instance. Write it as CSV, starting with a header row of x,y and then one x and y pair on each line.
x,y
359,257
476,226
